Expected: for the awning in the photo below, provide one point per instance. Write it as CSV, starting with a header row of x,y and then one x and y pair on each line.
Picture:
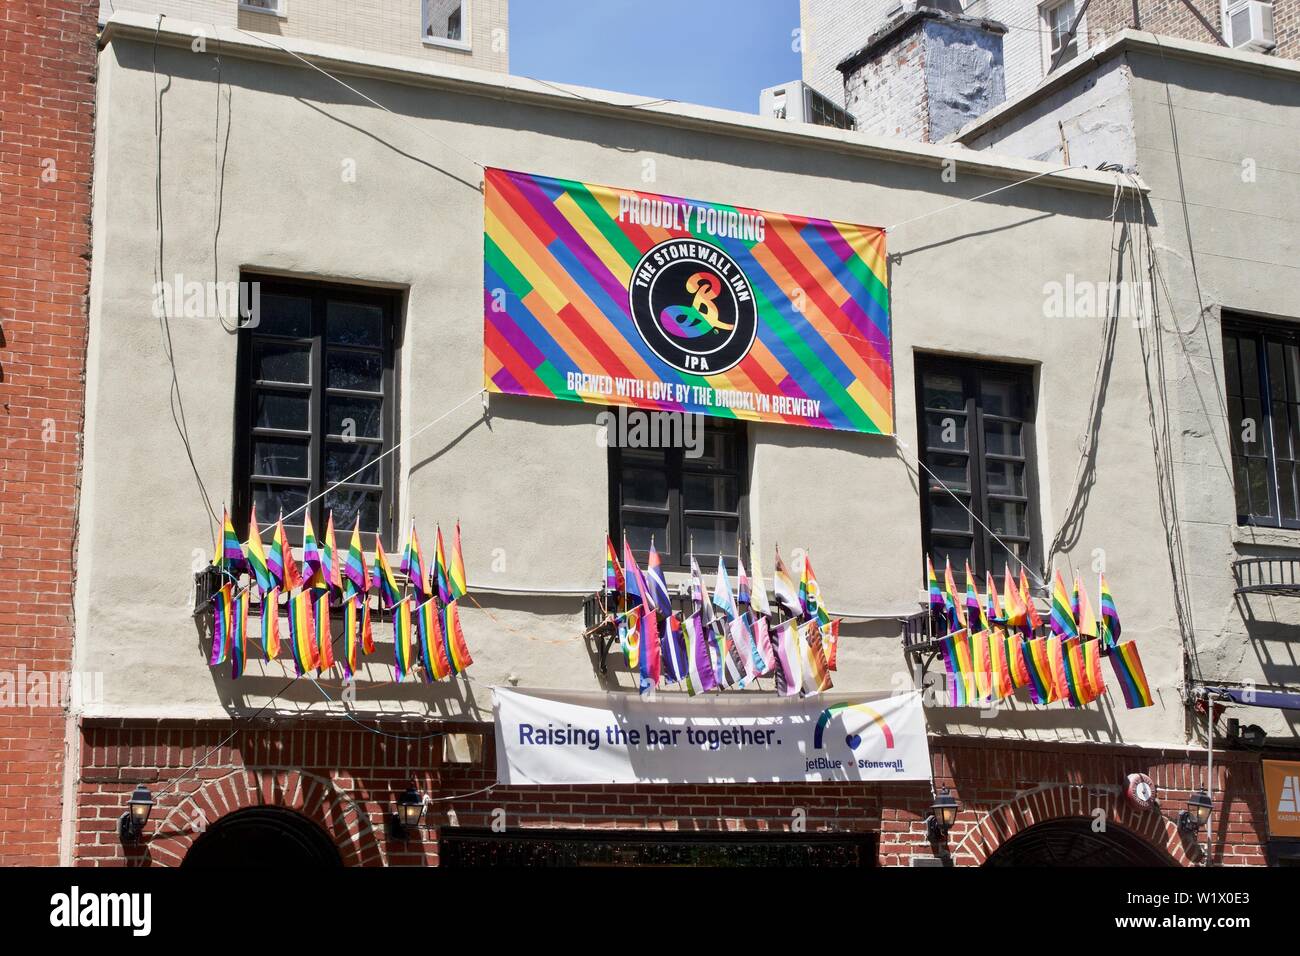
x,y
1258,698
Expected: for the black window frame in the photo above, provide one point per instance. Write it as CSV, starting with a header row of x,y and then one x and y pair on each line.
x,y
1262,334
987,556
247,431
676,466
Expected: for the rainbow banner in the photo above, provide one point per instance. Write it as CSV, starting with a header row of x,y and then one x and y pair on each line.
x,y
620,297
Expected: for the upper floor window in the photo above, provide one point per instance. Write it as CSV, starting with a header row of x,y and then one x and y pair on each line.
x,y
690,497
1262,373
976,436
446,22
275,7
1057,18
315,407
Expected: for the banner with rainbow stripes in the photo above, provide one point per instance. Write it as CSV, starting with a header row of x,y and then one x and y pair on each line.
x,y
621,297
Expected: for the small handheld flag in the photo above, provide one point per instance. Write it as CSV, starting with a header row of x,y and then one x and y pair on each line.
x,y
457,583
722,597
457,650
324,638
333,560
354,565
1084,619
1062,616
659,597
402,638
412,564
783,586
230,553
271,623
223,609
1132,679
613,573
440,570
433,646
257,556
387,581
1110,629
239,635
700,676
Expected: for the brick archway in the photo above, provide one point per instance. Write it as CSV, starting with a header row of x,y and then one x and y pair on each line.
x,y
1059,802
314,797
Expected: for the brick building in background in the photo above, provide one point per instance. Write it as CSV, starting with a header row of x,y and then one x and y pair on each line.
x,y
47,85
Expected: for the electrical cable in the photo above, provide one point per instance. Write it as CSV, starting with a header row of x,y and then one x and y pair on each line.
x,y
991,192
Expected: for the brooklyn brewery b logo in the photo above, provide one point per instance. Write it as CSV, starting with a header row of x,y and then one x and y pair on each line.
x,y
693,306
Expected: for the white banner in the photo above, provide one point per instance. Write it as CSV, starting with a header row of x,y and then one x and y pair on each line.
x,y
557,737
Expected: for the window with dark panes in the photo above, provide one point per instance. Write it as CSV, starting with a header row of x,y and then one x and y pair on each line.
x,y
1262,379
682,500
316,406
976,436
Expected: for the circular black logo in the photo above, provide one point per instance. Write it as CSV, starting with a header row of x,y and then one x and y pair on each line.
x,y
693,306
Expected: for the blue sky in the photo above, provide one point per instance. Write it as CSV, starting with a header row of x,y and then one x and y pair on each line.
x,y
714,52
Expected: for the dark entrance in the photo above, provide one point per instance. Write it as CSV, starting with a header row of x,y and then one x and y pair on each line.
x,y
263,837
474,847
1073,843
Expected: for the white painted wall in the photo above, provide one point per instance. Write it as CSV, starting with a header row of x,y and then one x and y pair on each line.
x,y
532,480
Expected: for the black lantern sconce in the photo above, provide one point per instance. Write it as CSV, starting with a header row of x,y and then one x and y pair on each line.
x,y
943,814
1197,814
131,824
403,824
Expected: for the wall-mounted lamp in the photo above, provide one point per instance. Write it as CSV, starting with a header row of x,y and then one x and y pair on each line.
x,y
943,814
1197,814
410,807
131,824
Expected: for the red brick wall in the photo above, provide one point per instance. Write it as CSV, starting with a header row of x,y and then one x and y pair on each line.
x,y
346,779
47,66
1175,18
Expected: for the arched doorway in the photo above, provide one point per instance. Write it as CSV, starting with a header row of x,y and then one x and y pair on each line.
x,y
1072,842
263,837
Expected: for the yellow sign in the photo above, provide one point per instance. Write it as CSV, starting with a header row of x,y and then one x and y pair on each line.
x,y
1282,787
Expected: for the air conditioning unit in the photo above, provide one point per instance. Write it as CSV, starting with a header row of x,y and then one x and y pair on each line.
x,y
1250,26
798,102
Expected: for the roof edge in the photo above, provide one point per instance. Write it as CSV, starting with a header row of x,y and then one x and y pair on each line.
x,y
136,27
1126,40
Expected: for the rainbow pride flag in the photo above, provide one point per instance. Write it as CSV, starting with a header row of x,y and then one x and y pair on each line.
x,y
994,608
333,560
433,646
223,610
313,561
974,609
457,650
324,637
230,553
1092,669
979,650
1132,679
367,632
354,565
257,556
1110,629
1031,610
1056,657
1018,667
629,636
1013,605
1001,684
811,297
1062,616
302,632
937,603
955,650
351,611
412,564
402,650
613,572
457,583
290,576
1075,675
239,635
957,615
1084,619
1042,682
386,579
271,623
440,568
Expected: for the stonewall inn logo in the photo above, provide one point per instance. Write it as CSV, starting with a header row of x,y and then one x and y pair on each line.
x,y
693,306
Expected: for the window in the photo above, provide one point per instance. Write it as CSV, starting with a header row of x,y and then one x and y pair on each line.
x,y
275,7
446,22
976,436
682,500
1262,372
1057,20
315,403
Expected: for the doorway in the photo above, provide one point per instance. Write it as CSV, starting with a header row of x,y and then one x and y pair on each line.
x,y
1074,843
263,837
